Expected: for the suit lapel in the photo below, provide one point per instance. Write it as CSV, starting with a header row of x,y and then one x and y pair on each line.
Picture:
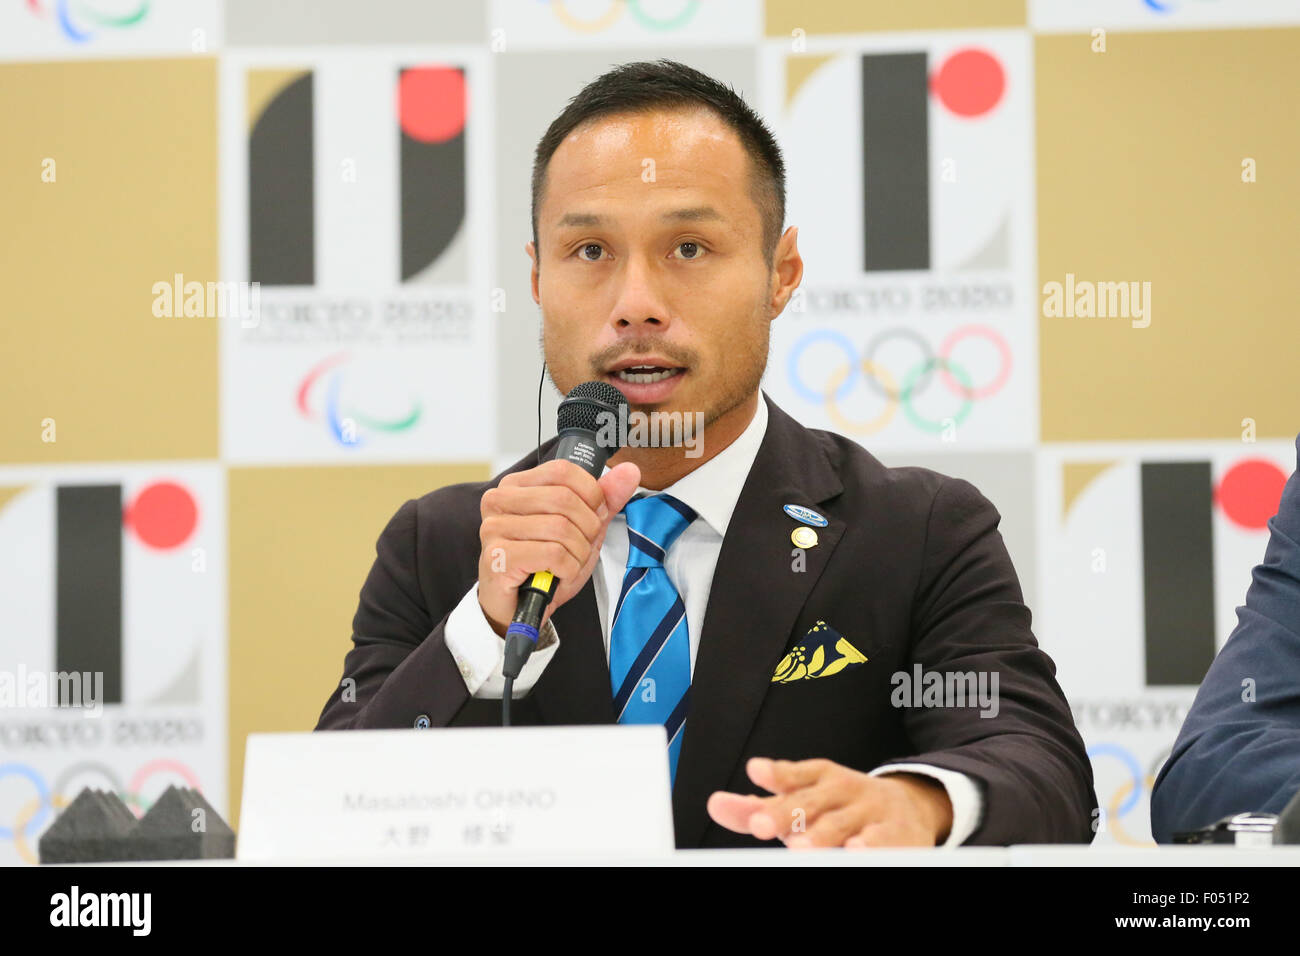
x,y
754,602
574,688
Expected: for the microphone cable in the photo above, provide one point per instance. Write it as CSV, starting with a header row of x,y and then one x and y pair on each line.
x,y
508,692
540,382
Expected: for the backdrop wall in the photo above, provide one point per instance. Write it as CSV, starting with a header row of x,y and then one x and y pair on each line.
x,y
1046,249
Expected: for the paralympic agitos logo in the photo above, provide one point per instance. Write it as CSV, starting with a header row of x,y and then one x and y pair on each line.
x,y
81,21
1163,6
322,396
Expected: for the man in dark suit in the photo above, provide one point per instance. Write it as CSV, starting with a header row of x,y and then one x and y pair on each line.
x,y
1239,748
850,638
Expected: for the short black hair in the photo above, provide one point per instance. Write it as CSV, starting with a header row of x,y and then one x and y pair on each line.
x,y
666,84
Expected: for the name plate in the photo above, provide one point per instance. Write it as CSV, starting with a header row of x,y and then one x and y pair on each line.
x,y
456,791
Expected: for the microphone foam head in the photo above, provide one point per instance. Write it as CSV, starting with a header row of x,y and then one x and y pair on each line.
x,y
587,404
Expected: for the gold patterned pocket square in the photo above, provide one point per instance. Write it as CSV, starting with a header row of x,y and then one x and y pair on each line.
x,y
823,652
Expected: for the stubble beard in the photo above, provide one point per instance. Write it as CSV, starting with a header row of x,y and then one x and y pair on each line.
x,y
754,361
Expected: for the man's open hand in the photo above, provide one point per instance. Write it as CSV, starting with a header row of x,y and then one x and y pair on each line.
x,y
819,803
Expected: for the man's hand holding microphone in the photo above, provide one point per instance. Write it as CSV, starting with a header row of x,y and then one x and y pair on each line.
x,y
542,529
549,518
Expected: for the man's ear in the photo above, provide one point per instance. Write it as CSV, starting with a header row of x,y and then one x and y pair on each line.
x,y
787,270
532,254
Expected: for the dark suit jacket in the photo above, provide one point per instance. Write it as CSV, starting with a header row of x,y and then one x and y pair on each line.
x,y
910,569
1236,754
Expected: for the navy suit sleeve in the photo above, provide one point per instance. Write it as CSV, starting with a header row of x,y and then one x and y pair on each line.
x,y
399,667
400,672
1239,748
1025,754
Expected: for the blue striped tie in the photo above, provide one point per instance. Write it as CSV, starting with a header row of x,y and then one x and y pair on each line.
x,y
649,649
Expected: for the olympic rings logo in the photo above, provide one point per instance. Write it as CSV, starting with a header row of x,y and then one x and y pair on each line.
x,y
914,381
616,8
48,799
1125,799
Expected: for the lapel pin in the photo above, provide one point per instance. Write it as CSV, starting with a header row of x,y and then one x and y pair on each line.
x,y
806,515
804,537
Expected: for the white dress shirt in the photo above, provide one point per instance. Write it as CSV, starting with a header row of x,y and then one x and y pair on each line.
x,y
711,490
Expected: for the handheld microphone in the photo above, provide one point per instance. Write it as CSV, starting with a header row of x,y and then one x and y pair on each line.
x,y
586,411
